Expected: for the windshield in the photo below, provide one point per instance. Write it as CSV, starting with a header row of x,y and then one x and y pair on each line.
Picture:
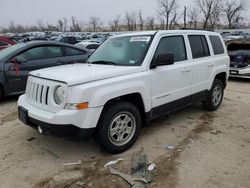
x,y
128,50
8,51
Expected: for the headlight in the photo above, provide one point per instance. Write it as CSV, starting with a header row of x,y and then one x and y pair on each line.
x,y
59,95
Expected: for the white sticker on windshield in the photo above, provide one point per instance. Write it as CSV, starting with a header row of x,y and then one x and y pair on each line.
x,y
140,39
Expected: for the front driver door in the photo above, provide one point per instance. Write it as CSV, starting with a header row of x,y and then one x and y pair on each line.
x,y
171,84
35,58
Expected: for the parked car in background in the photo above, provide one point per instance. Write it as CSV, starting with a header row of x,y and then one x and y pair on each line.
x,y
239,53
68,39
92,46
17,61
6,42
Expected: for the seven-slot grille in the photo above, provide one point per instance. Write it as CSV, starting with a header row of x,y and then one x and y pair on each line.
x,y
40,91
37,93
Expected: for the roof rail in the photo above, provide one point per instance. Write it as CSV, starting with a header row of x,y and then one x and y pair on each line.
x,y
197,29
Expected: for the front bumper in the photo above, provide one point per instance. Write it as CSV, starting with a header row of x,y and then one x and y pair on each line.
x,y
58,130
81,119
240,72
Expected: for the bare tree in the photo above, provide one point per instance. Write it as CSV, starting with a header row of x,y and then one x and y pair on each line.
x,y
130,21
174,21
233,10
185,17
65,24
193,18
210,9
95,23
161,21
167,9
115,23
40,25
140,19
75,25
60,24
150,23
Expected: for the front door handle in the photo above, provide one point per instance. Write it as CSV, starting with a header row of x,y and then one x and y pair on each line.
x,y
186,70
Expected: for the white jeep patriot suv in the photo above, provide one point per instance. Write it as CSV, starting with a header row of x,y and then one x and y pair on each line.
x,y
129,80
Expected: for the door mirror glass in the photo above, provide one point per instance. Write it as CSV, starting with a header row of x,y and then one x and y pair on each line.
x,y
163,59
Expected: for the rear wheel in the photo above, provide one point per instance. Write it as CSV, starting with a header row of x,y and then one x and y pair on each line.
x,y
119,127
215,96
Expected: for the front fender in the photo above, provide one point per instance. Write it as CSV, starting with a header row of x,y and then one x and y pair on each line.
x,y
103,95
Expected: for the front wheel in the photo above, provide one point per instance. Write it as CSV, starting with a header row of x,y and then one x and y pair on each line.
x,y
119,127
215,96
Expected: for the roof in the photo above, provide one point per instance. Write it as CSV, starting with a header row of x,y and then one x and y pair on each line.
x,y
167,32
37,43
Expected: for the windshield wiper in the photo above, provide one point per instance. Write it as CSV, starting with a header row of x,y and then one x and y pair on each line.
x,y
103,62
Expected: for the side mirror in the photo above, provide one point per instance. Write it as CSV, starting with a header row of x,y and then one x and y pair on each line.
x,y
19,60
163,59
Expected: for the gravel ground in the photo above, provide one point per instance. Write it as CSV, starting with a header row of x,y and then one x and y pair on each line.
x,y
212,149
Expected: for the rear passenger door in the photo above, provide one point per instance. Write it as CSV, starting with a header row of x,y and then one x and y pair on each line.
x,y
171,84
202,64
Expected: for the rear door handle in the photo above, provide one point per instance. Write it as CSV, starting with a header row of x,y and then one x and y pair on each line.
x,y
210,65
186,70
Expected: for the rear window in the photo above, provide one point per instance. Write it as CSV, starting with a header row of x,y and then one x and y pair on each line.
x,y
217,45
199,46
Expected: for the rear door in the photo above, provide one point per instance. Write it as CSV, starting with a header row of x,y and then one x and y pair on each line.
x,y
202,64
36,58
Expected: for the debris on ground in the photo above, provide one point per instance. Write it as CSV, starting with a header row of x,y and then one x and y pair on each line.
x,y
169,147
151,167
80,183
215,132
140,177
190,140
73,163
110,163
30,139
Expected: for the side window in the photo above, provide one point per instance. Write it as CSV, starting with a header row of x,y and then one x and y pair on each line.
x,y
43,52
199,46
3,43
73,51
65,39
174,45
92,46
217,45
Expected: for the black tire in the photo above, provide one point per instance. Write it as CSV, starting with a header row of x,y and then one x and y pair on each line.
x,y
112,118
210,103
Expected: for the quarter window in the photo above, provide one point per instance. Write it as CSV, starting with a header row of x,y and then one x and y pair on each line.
x,y
174,45
199,46
72,51
217,45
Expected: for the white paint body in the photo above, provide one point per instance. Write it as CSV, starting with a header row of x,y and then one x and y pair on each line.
x,y
97,84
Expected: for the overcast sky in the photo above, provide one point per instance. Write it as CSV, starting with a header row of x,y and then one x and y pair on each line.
x,y
27,12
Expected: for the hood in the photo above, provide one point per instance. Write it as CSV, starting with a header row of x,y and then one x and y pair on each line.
x,y
81,73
